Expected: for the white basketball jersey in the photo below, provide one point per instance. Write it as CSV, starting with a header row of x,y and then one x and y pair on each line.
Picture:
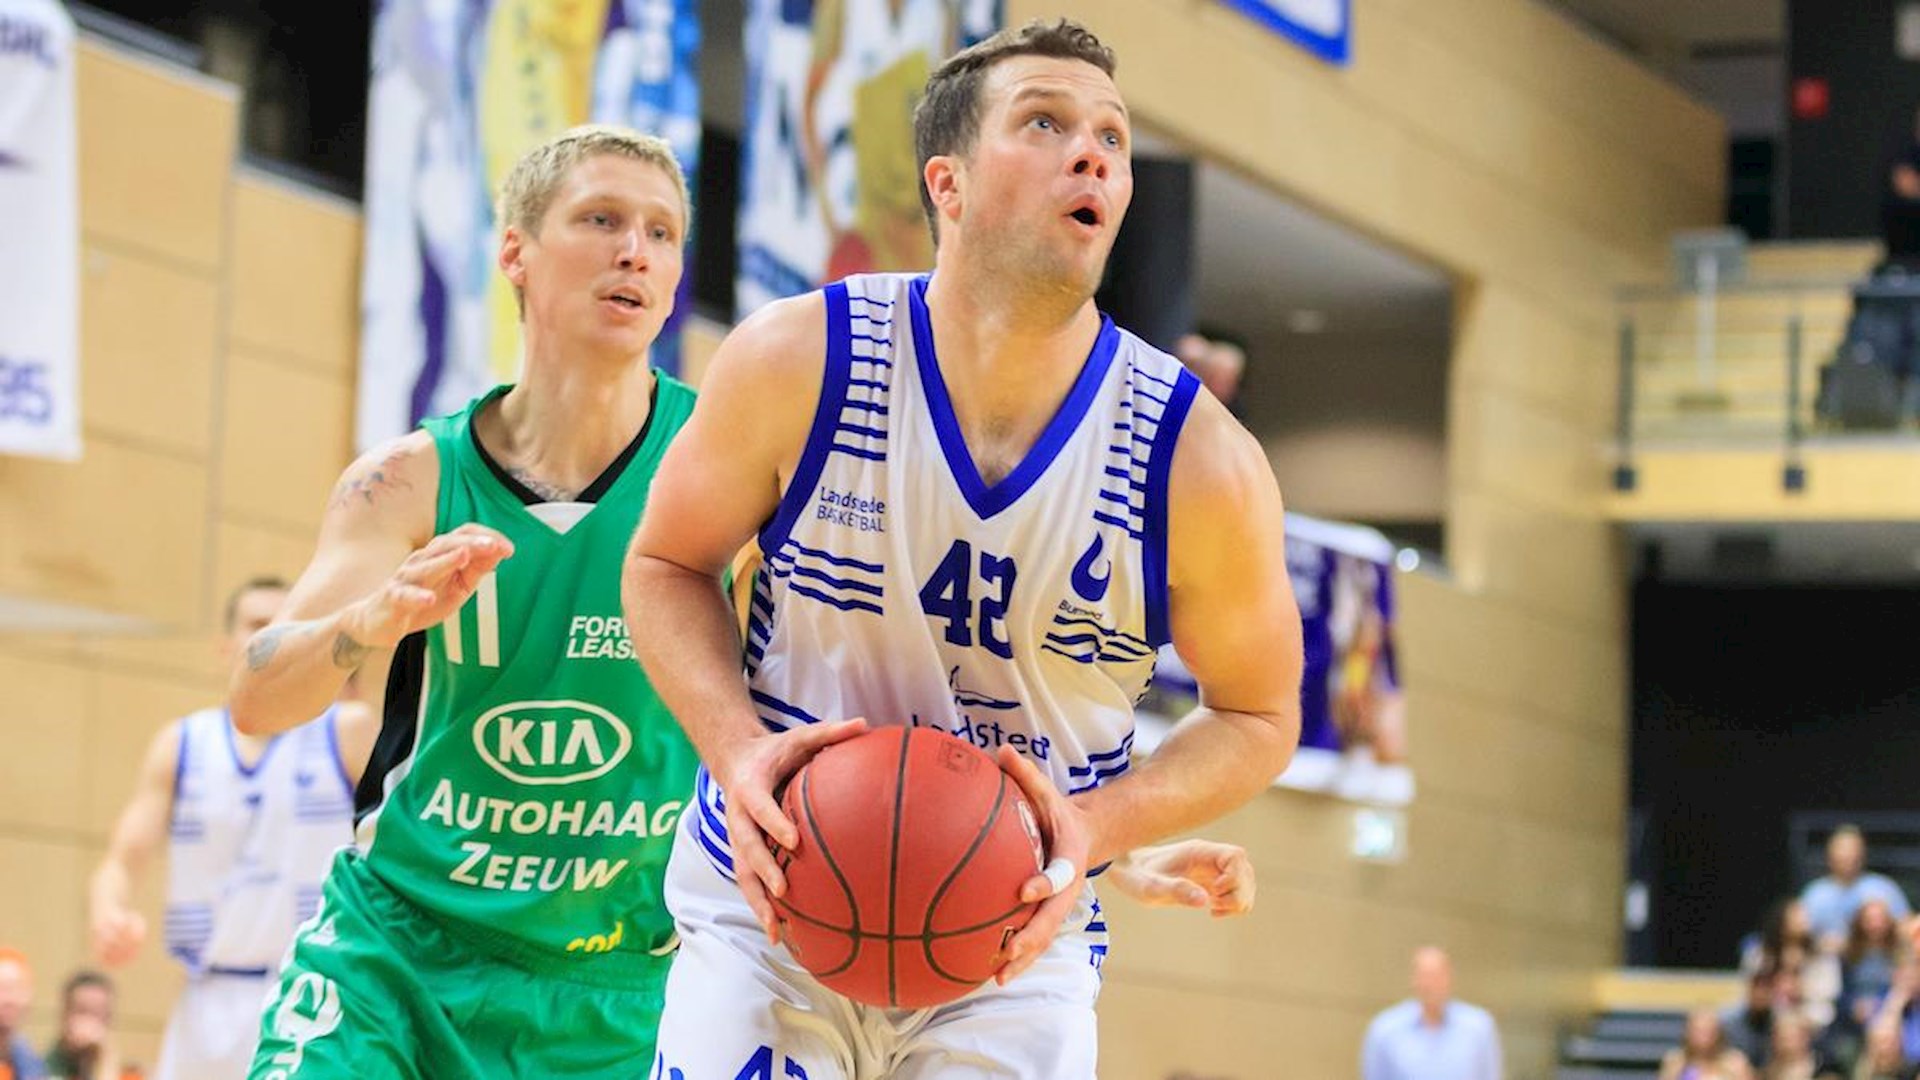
x,y
899,587
251,845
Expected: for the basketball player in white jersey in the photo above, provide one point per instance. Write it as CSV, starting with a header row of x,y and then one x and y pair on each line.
x,y
252,824
984,507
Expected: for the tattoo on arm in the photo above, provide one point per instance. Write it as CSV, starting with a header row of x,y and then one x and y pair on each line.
x,y
363,483
348,654
264,644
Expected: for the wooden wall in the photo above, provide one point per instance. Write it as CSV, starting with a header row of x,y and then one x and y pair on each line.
x,y
219,315
1492,139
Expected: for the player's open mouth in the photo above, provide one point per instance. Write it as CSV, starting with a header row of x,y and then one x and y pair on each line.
x,y
628,300
1086,215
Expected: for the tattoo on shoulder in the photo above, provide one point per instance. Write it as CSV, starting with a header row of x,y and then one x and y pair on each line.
x,y
364,482
348,654
264,644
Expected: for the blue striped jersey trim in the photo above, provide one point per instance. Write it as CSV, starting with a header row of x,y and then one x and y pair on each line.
x,y
710,826
1159,477
786,707
833,392
837,560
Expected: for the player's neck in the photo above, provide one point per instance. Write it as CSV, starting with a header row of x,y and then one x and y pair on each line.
x,y
986,327
565,423
251,748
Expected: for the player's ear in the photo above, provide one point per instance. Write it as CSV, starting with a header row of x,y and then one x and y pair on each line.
x,y
942,176
512,258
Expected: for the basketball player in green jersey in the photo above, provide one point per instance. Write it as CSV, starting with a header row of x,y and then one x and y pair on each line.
x,y
501,913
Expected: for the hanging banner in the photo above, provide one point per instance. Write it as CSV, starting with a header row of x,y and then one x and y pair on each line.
x,y
829,180
1352,713
458,93
1322,27
39,233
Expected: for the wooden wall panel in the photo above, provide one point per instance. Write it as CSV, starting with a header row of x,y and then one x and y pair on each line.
x,y
1863,483
288,433
122,532
280,306
156,147
149,343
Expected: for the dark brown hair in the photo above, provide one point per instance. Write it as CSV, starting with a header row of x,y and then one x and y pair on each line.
x,y
946,120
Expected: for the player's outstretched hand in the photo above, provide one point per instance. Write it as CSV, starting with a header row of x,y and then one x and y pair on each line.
x,y
1069,841
428,587
1187,873
760,768
118,935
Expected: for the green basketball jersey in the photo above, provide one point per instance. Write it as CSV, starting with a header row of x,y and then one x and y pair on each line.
x,y
536,807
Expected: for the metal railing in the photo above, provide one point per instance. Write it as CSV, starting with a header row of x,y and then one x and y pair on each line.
x,y
1730,366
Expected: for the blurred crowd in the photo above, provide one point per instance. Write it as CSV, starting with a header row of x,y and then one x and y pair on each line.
x,y
1830,982
82,1047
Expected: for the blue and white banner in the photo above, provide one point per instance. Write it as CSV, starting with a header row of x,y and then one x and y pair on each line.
x,y
459,91
39,233
1353,740
829,180
1322,27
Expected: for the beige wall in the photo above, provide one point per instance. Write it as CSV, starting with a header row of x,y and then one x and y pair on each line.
x,y
1355,426
217,339
1483,136
1539,169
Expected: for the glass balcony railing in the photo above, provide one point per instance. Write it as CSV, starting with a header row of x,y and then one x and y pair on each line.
x,y
1767,364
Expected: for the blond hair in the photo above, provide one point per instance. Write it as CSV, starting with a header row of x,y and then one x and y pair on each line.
x,y
533,181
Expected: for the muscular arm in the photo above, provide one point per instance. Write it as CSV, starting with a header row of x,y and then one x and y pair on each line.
x,y
1235,624
721,480
118,930
381,510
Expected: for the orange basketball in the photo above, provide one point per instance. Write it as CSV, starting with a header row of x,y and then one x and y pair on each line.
x,y
906,883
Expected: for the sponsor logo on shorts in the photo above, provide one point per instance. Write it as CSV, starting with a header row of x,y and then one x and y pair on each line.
x,y
308,1009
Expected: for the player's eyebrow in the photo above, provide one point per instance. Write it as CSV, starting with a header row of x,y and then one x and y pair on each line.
x,y
1048,93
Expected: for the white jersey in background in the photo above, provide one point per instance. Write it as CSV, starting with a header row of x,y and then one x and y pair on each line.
x,y
249,848
898,586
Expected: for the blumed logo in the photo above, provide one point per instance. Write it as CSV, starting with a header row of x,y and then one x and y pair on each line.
x,y
1092,589
551,742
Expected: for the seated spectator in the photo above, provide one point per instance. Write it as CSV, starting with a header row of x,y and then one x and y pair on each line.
x,y
1899,1007
1705,1054
84,1048
1808,983
1792,1056
1885,1059
1832,900
1749,1025
1873,953
17,1059
1785,923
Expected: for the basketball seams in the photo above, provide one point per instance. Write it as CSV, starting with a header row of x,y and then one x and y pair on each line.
x,y
853,902
893,871
927,936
